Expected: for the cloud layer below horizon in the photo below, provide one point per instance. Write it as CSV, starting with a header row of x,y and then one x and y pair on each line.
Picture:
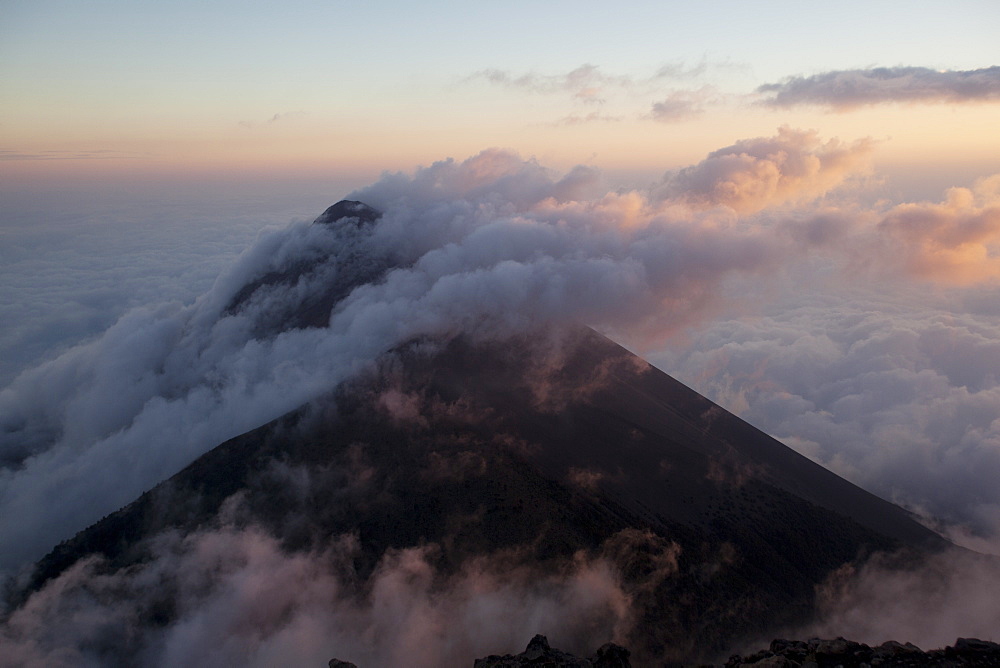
x,y
902,401
495,244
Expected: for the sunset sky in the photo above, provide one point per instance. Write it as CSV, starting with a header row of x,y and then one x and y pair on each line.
x,y
342,89
831,163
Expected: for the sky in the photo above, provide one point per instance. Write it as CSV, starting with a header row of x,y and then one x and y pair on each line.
x,y
324,88
793,208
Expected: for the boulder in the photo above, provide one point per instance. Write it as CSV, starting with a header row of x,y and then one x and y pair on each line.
x,y
539,653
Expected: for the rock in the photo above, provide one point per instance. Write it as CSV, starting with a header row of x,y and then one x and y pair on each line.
x,y
975,645
894,648
773,662
337,663
789,648
539,653
537,647
351,209
610,655
842,653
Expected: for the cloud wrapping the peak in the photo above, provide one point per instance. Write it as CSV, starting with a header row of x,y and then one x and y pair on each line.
x,y
492,246
496,246
843,90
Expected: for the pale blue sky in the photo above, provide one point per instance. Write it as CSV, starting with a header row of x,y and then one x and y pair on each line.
x,y
177,79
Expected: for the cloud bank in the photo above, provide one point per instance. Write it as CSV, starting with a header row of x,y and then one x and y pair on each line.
x,y
843,90
496,246
904,402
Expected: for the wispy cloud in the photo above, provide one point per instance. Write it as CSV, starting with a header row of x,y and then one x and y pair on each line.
x,y
588,83
592,117
681,105
844,90
680,71
585,83
97,154
284,116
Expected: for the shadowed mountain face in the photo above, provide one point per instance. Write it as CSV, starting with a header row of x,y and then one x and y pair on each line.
x,y
536,455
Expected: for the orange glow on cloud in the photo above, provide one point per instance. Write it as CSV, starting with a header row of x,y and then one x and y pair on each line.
x,y
956,241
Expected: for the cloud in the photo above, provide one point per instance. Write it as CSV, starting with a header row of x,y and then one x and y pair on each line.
x,y
900,396
950,595
682,105
585,83
753,174
592,117
589,84
903,401
71,266
94,154
237,598
273,119
957,240
681,71
493,246
843,90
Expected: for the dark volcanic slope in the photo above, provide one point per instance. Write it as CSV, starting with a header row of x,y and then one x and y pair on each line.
x,y
542,448
677,440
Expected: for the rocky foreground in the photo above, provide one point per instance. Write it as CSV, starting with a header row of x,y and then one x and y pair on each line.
x,y
841,653
814,653
538,653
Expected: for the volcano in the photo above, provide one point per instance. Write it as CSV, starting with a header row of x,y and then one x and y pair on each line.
x,y
537,454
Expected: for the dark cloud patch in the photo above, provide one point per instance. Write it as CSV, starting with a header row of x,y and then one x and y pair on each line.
x,y
843,90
